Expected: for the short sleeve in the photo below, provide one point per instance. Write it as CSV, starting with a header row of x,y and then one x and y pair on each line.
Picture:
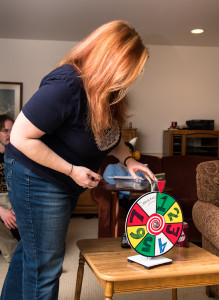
x,y
51,105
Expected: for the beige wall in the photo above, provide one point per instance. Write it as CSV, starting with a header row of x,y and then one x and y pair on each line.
x,y
180,83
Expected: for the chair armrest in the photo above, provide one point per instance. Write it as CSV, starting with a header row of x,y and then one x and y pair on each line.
x,y
206,219
207,179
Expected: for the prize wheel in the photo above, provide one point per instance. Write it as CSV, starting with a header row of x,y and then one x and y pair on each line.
x,y
154,224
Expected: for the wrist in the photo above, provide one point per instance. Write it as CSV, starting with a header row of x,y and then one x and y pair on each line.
x,y
70,170
125,160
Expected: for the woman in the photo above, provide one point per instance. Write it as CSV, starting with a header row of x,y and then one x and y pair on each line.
x,y
57,145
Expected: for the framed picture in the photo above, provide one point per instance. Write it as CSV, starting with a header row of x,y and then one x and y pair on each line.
x,y
11,98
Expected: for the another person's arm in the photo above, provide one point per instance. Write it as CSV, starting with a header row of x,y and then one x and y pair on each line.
x,y
122,152
26,138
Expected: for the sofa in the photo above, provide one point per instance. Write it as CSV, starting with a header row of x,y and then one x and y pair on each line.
x,y
180,174
206,210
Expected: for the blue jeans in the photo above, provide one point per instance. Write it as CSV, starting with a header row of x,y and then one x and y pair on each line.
x,y
43,213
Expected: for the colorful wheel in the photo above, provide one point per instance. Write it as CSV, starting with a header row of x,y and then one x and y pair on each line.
x,y
154,224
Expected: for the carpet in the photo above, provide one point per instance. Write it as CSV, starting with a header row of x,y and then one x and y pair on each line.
x,y
82,228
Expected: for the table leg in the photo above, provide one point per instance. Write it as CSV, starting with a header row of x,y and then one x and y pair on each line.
x,y
79,277
109,290
174,294
115,214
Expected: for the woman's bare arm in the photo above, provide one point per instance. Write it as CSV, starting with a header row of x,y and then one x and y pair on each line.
x,y
26,138
121,152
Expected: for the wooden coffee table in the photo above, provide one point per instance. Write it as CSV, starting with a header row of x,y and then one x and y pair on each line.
x,y
192,266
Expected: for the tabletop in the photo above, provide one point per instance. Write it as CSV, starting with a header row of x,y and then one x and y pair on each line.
x,y
109,261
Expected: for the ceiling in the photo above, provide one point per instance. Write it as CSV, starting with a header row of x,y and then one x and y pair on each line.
x,y
159,22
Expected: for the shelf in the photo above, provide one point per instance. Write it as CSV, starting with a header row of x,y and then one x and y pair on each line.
x,y
128,134
191,142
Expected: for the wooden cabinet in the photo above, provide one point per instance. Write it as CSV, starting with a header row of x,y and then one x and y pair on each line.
x,y
191,142
85,204
128,134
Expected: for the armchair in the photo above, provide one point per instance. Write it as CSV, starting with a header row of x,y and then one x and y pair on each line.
x,y
206,210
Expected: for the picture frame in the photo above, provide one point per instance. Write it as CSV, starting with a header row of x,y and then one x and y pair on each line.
x,y
11,94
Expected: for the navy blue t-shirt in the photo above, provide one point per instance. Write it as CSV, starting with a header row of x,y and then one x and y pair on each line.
x,y
59,108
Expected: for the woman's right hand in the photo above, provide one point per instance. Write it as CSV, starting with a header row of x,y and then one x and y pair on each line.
x,y
85,177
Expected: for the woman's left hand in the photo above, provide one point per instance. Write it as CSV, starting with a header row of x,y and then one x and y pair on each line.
x,y
135,166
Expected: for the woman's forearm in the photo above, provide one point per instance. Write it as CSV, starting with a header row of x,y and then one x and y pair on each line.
x,y
26,138
36,150
122,152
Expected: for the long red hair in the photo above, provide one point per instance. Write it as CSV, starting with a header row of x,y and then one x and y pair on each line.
x,y
108,61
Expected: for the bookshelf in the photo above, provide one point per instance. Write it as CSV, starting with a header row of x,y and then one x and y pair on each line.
x,y
191,142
